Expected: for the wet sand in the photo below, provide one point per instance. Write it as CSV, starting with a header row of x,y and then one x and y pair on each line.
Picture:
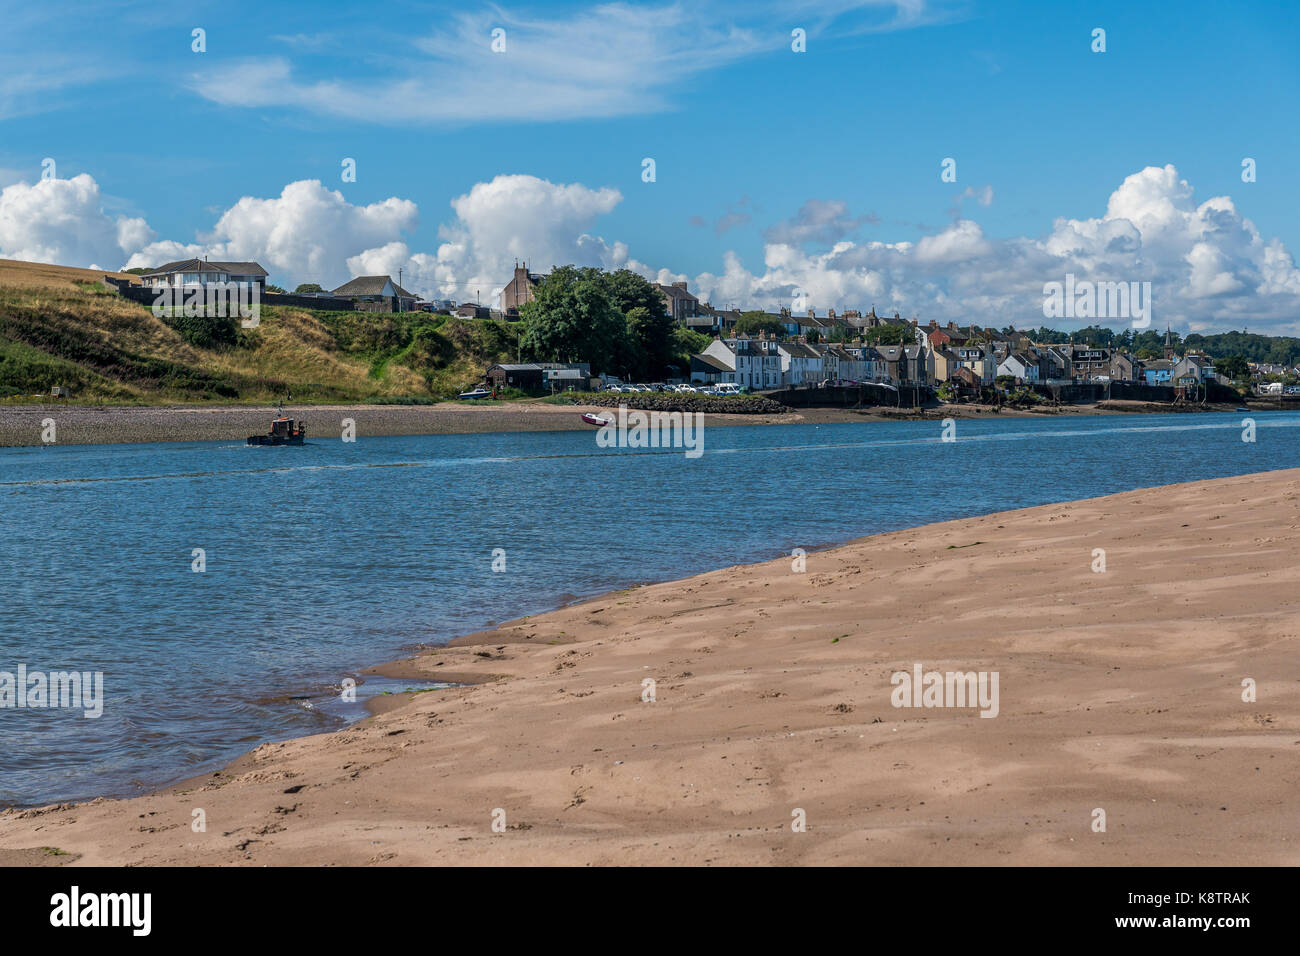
x,y
1119,691
111,424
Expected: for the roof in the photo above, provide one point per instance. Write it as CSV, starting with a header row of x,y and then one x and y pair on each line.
x,y
799,350
674,292
208,265
370,285
712,362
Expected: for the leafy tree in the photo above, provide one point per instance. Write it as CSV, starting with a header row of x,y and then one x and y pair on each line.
x,y
274,288
754,322
891,334
307,287
1232,367
571,318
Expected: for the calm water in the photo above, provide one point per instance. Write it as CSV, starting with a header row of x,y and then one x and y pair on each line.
x,y
327,558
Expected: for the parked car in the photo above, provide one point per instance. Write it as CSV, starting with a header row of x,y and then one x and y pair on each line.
x,y
1292,390
685,388
727,388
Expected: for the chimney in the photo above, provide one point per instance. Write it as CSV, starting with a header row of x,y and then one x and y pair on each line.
x,y
680,285
952,326
934,324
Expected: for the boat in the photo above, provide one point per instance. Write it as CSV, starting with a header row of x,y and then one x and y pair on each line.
x,y
284,431
591,419
476,393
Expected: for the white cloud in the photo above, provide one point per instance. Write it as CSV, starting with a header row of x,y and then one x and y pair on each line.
x,y
63,221
1208,265
612,59
306,234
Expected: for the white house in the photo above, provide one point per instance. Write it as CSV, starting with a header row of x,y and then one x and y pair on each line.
x,y
201,272
800,364
1020,366
752,362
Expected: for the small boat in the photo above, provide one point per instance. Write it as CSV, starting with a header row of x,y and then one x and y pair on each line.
x,y
284,431
476,393
1243,408
591,419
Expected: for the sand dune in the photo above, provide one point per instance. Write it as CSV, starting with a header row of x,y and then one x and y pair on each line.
x,y
1119,691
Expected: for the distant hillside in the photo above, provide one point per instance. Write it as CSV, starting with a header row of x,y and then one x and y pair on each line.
x,y
62,326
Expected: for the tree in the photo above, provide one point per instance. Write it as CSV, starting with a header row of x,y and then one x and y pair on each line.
x,y
649,324
274,288
571,318
307,287
752,323
1232,367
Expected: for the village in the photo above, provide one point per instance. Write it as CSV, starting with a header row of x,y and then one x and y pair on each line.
x,y
788,350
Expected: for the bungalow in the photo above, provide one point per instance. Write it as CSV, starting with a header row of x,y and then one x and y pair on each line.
x,y
472,310
377,294
202,272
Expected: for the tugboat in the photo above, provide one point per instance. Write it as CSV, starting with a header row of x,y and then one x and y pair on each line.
x,y
284,431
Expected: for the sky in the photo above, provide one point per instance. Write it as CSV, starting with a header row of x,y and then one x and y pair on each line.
x,y
944,160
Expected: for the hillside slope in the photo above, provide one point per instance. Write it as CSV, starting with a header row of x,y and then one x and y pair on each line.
x,y
62,326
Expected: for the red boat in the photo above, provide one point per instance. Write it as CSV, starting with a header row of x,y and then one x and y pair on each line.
x,y
591,419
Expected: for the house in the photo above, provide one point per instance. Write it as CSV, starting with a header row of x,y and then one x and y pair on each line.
x,y
870,364
851,364
752,362
800,364
941,337
1194,369
1054,364
1123,367
904,364
1158,371
377,294
1089,363
709,368
978,359
678,302
472,310
968,379
1019,366
540,376
187,273
520,289
941,364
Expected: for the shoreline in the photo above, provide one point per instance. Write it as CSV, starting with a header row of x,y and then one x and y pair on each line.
x,y
790,708
21,425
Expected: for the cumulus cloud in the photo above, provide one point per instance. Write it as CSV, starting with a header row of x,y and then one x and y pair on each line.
x,y
63,221
307,233
1208,265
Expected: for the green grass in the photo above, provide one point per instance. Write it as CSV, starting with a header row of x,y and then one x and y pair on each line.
x,y
108,349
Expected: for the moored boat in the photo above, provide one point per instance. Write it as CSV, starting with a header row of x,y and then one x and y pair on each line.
x,y
284,431
591,419
475,393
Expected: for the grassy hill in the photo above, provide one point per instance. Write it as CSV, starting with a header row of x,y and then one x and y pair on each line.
x,y
63,326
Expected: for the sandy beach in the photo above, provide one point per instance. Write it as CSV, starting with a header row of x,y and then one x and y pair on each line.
x,y
110,424
1119,690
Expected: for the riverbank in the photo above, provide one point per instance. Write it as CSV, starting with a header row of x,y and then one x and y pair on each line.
x,y
22,425
1120,691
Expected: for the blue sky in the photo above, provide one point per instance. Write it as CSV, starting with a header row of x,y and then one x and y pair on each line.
x,y
743,131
